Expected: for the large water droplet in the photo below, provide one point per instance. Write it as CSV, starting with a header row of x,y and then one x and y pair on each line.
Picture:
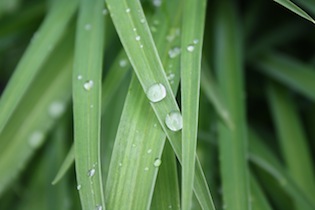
x,y
156,92
190,48
79,187
88,85
91,172
174,52
157,162
35,139
56,109
174,121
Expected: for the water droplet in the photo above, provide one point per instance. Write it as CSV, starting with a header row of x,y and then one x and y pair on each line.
x,y
91,106
87,27
174,52
156,92
123,63
79,77
146,168
105,12
128,10
133,145
134,29
157,3
171,76
174,121
153,29
138,38
56,109
142,20
99,207
149,151
141,46
35,139
157,162
196,41
170,206
190,48
79,187
120,164
88,85
91,172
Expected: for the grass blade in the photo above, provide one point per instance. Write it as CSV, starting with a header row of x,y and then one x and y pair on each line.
x,y
166,192
294,8
258,199
210,89
288,71
292,138
42,104
149,70
46,38
233,143
87,103
261,156
192,37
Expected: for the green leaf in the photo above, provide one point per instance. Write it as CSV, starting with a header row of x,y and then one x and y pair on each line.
x,y
86,79
258,199
288,71
232,143
293,142
166,192
261,156
192,40
43,103
294,8
36,54
137,40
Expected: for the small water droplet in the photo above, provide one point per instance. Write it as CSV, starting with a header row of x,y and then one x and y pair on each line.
x,y
142,20
99,207
141,46
156,92
56,109
157,162
138,38
79,187
146,168
149,151
174,121
123,63
133,145
134,29
105,11
153,29
170,206
157,3
79,77
174,52
87,27
171,76
128,10
35,139
91,172
155,125
196,41
120,164
91,106
190,48
88,85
